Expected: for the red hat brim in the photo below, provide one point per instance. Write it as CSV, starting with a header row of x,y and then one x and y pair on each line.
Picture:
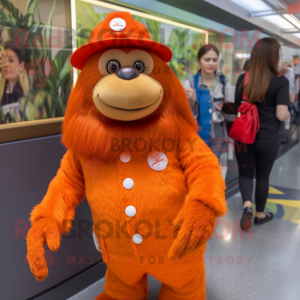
x,y
83,53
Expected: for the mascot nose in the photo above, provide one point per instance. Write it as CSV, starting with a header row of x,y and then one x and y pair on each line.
x,y
128,73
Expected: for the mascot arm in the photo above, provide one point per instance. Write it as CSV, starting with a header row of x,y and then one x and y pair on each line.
x,y
203,174
54,215
205,200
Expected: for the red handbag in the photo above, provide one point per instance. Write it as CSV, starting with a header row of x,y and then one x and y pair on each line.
x,y
246,123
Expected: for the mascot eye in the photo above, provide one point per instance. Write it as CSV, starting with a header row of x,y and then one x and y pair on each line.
x,y
113,66
139,66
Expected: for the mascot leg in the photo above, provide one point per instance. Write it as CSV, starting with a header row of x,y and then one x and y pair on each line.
x,y
191,288
124,281
182,279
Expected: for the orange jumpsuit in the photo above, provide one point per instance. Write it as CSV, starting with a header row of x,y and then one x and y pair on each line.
x,y
132,218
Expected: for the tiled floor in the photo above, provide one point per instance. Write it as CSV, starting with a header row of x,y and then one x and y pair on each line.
x,y
262,264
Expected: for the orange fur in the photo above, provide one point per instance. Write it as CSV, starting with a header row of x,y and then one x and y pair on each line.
x,y
184,200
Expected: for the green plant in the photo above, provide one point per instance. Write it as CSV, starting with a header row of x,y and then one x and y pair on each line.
x,y
154,29
87,19
185,48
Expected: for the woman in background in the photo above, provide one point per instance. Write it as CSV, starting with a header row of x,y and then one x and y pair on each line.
x,y
246,66
207,91
14,81
270,93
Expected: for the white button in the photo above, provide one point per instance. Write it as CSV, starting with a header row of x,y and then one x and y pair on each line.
x,y
125,157
210,110
137,238
128,183
130,211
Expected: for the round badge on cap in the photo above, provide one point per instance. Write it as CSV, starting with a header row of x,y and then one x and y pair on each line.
x,y
157,161
117,24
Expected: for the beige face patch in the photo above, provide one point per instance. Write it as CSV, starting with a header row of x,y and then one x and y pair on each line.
x,y
125,59
127,100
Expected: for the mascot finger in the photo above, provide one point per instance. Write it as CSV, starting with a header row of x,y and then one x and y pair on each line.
x,y
36,256
53,237
177,223
195,241
204,229
192,243
179,244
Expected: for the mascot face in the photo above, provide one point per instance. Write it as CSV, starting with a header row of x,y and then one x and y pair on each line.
x,y
126,92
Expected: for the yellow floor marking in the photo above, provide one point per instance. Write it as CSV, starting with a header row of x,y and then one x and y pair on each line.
x,y
274,191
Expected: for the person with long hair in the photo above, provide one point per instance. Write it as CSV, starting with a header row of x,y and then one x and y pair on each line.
x,y
269,91
246,66
14,80
207,91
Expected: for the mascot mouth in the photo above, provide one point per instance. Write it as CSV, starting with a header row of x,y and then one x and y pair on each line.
x,y
131,109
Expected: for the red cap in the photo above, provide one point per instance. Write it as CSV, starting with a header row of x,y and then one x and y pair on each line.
x,y
118,30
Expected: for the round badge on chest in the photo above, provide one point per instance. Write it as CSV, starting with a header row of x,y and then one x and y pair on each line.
x,y
117,24
157,161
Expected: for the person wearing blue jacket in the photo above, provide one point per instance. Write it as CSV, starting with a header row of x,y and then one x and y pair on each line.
x,y
207,91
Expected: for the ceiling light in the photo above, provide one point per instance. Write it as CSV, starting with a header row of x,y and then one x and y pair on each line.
x,y
279,22
293,20
253,5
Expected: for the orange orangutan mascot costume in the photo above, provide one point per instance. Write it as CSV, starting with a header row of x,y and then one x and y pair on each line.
x,y
154,187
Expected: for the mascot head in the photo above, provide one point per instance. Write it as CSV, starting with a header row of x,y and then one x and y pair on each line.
x,y
125,90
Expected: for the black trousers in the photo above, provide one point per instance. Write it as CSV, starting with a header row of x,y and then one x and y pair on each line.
x,y
256,159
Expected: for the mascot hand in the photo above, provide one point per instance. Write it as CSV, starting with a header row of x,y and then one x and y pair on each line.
x,y
43,231
195,222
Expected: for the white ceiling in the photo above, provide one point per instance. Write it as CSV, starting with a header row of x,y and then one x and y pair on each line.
x,y
253,5
279,20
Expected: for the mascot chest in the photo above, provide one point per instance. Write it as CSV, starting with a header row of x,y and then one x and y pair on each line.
x,y
151,183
